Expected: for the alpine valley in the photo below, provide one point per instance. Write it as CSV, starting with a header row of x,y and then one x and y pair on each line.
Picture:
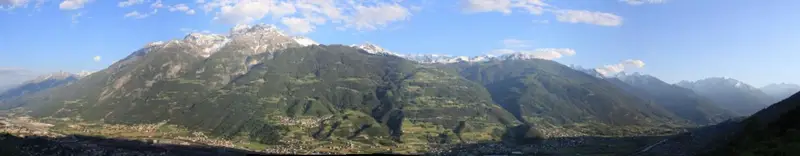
x,y
258,90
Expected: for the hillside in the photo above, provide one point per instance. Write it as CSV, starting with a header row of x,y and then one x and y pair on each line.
x,y
548,94
259,87
683,102
772,131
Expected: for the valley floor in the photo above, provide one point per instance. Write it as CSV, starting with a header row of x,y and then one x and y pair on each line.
x,y
158,137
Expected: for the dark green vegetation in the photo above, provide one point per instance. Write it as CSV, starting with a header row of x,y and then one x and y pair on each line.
x,y
345,96
680,101
548,94
11,145
268,96
772,131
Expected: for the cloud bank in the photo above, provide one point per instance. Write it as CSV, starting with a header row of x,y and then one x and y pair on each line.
x,y
619,67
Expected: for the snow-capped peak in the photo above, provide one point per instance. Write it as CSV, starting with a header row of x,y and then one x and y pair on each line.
x,y
304,41
437,58
243,29
84,73
52,76
373,49
152,44
208,43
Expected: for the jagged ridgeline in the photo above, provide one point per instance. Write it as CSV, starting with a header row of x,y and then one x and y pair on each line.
x,y
278,89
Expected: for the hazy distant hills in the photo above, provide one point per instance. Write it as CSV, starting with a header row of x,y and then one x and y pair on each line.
x,y
730,94
38,84
683,102
780,91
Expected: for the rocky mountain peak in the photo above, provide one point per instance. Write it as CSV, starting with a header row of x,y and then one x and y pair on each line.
x,y
208,43
373,49
61,75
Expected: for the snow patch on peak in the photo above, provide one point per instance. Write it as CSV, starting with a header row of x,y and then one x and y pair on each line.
x,y
52,76
304,41
153,44
243,29
444,59
84,73
374,49
208,43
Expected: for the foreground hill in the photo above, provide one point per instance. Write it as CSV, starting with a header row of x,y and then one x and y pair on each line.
x,y
772,131
683,102
730,94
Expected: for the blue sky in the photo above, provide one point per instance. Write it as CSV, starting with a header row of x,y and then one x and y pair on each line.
x,y
753,41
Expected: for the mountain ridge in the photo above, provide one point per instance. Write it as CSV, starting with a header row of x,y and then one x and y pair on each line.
x,y
730,93
681,101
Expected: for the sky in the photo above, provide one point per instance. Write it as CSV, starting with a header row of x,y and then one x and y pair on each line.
x,y
752,41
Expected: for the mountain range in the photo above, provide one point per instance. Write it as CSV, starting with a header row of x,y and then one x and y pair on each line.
x,y
258,84
681,101
780,91
729,93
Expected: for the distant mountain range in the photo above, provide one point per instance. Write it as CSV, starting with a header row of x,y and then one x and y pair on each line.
x,y
730,94
681,101
40,83
780,91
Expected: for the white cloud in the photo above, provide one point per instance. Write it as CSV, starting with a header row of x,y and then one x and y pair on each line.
x,y
11,4
73,4
588,17
301,25
128,3
513,46
302,16
182,8
538,7
157,4
137,15
515,43
640,2
96,58
504,6
550,53
619,67
374,17
242,12
542,53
